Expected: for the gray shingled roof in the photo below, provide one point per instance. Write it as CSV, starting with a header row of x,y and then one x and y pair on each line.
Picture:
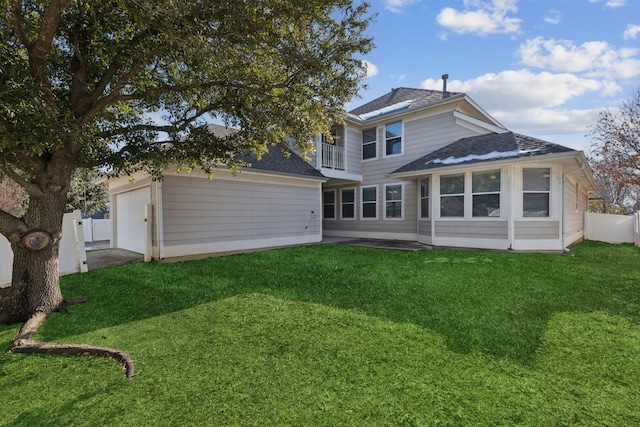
x,y
276,162
420,98
273,161
484,148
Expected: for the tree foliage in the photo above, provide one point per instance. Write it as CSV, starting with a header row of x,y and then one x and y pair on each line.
x,y
84,194
127,85
616,149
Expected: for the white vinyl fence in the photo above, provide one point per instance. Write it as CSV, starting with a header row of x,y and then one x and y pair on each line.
x,y
96,230
613,228
72,257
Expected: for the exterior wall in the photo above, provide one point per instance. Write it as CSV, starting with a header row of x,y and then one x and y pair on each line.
x,y
576,204
475,233
228,213
420,135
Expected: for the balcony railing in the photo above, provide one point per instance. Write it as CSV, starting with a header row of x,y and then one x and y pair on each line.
x,y
332,156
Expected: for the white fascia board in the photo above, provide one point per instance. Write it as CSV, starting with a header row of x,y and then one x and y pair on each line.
x,y
476,125
475,105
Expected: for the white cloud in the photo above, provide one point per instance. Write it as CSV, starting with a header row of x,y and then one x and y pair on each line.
x,y
397,6
531,103
611,3
553,17
481,17
631,32
370,69
595,59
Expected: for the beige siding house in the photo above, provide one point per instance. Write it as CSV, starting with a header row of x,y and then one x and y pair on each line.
x,y
436,168
416,165
275,202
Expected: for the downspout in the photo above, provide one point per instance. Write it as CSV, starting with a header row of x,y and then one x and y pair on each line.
x,y
564,204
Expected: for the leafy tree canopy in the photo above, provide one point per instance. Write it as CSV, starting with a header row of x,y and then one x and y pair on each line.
x,y
81,77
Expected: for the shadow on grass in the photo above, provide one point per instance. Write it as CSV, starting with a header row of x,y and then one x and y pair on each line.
x,y
495,303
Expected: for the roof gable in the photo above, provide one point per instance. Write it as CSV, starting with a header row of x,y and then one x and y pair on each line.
x,y
484,148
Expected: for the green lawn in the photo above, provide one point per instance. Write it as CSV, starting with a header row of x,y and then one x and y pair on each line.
x,y
330,335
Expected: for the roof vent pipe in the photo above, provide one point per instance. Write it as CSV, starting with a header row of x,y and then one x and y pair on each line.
x,y
445,94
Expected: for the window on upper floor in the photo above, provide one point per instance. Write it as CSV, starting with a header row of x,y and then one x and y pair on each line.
x,y
348,202
393,138
424,198
369,202
536,186
369,144
393,201
329,204
485,189
452,195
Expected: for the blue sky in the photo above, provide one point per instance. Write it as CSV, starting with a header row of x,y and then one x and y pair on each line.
x,y
542,68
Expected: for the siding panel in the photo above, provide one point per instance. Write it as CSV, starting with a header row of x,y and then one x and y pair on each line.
x,y
199,211
474,229
537,230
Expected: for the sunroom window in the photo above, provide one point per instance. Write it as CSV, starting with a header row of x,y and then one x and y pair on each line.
x,y
536,188
485,189
452,195
424,198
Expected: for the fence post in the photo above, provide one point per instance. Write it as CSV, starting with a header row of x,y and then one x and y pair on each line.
x,y
81,253
636,228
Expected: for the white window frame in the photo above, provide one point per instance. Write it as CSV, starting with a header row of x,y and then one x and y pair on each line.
x,y
362,202
342,203
401,217
548,192
463,194
374,142
325,204
499,192
384,148
421,198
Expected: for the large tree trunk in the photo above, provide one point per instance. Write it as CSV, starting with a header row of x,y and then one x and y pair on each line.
x,y
34,282
35,291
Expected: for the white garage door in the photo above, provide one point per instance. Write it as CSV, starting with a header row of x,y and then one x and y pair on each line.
x,y
130,216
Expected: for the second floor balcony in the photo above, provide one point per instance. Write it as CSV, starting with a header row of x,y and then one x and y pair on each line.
x,y
333,157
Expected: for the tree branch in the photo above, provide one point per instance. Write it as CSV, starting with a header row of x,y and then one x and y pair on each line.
x,y
39,50
31,188
11,227
16,20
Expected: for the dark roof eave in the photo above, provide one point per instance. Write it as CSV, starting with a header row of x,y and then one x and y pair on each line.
x,y
578,155
354,119
257,171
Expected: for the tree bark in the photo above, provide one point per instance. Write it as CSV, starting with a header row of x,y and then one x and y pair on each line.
x,y
35,290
